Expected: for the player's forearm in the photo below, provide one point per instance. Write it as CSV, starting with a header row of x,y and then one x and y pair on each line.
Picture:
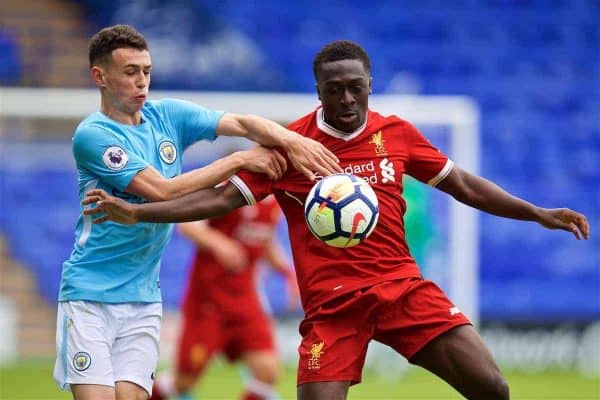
x,y
491,198
266,132
195,206
205,177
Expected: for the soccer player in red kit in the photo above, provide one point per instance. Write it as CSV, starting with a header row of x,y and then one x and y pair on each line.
x,y
373,291
221,309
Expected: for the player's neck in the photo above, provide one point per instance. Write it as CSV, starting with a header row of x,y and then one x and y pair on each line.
x,y
120,116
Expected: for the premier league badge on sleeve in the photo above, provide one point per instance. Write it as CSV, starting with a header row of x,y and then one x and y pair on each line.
x,y
115,158
167,151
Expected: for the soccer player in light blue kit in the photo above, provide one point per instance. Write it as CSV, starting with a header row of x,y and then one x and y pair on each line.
x,y
109,310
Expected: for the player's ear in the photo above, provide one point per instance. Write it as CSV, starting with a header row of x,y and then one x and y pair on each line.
x,y
318,90
98,76
370,84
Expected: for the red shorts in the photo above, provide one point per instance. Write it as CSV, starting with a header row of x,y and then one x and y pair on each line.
x,y
403,314
209,332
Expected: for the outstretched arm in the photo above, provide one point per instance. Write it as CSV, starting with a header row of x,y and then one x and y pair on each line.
x,y
484,195
306,155
206,203
152,186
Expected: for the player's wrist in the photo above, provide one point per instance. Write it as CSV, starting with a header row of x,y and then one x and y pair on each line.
x,y
289,139
238,159
136,213
537,213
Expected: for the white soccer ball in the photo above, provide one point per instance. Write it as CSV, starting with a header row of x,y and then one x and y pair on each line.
x,y
341,210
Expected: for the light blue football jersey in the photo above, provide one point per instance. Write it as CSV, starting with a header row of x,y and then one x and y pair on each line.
x,y
115,263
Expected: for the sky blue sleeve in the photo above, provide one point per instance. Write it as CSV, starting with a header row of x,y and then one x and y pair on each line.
x,y
100,153
192,121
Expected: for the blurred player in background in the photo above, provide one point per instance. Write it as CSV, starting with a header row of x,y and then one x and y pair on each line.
x,y
373,291
109,310
221,309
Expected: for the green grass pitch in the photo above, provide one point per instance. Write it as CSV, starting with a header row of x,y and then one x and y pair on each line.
x,y
33,380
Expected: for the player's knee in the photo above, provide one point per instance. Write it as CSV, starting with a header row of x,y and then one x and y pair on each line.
x,y
268,372
269,375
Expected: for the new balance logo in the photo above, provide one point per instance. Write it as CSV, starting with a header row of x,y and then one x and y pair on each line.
x,y
454,311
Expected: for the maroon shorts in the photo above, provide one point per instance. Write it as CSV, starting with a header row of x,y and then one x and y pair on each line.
x,y
403,314
210,333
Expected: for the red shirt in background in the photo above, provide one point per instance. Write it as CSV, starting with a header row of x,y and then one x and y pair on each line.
x,y
212,284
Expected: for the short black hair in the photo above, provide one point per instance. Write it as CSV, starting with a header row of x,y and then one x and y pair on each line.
x,y
341,50
111,38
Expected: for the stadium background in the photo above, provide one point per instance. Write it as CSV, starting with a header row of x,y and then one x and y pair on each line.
x,y
533,67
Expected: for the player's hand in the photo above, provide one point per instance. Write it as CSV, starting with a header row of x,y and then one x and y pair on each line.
x,y
265,160
565,219
231,255
113,208
310,157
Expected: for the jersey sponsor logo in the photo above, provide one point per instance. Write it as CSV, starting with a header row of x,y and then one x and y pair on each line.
x,y
368,172
115,158
167,152
387,171
82,361
316,351
377,140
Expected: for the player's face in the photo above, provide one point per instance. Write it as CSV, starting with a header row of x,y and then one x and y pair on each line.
x,y
127,79
344,87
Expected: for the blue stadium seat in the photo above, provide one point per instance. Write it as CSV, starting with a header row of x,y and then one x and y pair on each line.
x,y
11,64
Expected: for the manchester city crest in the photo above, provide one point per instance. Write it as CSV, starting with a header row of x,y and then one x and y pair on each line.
x,y
167,151
82,361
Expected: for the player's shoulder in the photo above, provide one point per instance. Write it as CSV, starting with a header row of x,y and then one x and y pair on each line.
x,y
391,119
164,103
168,105
303,124
95,124
390,122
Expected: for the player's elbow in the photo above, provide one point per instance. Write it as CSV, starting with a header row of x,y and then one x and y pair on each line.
x,y
462,187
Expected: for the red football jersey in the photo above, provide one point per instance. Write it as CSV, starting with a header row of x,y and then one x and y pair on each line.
x,y
210,283
380,151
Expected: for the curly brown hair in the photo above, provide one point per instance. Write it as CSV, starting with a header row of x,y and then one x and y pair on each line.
x,y
111,38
